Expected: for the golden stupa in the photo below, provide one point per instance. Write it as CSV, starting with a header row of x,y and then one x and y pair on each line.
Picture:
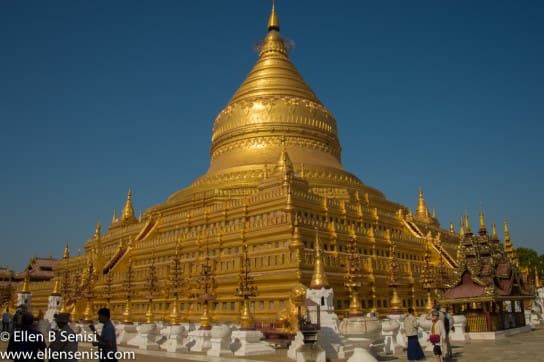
x,y
275,180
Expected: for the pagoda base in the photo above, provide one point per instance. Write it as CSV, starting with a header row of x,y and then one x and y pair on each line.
x,y
390,331
459,324
221,341
174,343
146,338
251,343
198,340
128,332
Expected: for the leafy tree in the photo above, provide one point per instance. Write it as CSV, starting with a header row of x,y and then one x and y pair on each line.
x,y
529,258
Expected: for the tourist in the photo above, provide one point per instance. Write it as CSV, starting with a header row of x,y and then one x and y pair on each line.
x,y
411,326
65,344
107,343
6,321
18,317
438,336
447,326
27,339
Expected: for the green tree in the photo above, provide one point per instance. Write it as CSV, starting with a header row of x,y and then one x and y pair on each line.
x,y
527,258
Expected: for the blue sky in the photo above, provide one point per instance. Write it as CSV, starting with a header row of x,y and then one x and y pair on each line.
x,y
100,96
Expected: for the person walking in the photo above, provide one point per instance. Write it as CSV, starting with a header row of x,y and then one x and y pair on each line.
x,y
447,326
438,336
64,346
107,342
6,321
27,340
17,321
411,326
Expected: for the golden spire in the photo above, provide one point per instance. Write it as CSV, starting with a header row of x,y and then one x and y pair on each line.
x,y
483,230
422,210
273,21
467,224
296,234
128,210
452,228
66,254
506,231
25,289
114,217
494,236
56,288
273,101
284,165
461,228
319,278
97,230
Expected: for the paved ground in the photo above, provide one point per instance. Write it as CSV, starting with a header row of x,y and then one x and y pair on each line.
x,y
524,347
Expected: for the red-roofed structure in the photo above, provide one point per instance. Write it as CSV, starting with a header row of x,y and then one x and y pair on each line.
x,y
489,289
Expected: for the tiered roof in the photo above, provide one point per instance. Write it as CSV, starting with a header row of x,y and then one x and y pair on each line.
x,y
485,270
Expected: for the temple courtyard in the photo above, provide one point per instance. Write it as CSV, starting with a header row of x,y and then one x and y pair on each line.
x,y
522,347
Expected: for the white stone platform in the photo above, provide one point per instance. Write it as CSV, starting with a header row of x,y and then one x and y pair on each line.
x,y
498,334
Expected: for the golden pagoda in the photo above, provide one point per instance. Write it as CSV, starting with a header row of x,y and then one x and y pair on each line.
x,y
275,180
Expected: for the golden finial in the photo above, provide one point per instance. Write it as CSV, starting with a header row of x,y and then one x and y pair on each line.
x,y
467,223
319,278
461,228
114,217
296,233
506,231
483,229
56,287
273,21
494,236
433,213
452,228
97,230
422,210
66,254
26,289
284,164
128,210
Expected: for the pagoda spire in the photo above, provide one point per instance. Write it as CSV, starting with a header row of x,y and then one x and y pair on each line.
x,y
482,231
422,210
319,278
97,230
114,217
506,232
273,21
128,210
508,246
461,228
467,224
26,288
452,228
494,236
284,165
56,287
66,254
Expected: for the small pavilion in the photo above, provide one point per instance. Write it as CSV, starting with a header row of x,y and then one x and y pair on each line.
x,y
488,288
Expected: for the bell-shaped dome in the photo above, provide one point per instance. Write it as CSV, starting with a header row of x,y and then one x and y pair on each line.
x,y
274,104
